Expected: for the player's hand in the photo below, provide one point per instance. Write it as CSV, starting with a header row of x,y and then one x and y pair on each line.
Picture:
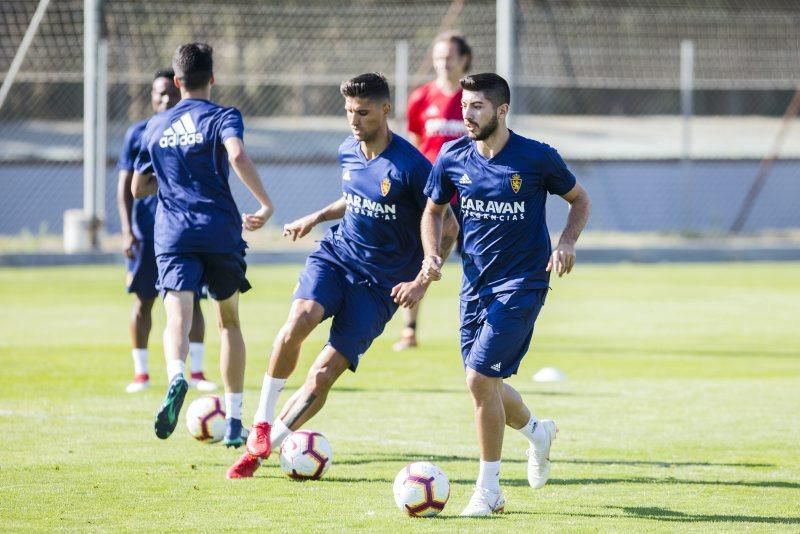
x,y
129,243
408,294
300,227
562,260
254,221
432,268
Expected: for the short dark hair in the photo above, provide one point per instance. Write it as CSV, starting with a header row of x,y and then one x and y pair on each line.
x,y
164,73
194,64
460,40
372,85
493,86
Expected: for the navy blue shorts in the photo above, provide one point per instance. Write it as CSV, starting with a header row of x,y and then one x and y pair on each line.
x,y
360,310
142,271
496,330
223,273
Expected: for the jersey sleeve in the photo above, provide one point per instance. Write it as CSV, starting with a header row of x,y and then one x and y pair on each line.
x,y
414,113
144,163
417,181
558,179
130,149
232,125
439,188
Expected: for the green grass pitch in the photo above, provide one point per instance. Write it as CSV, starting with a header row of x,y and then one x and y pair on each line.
x,y
681,411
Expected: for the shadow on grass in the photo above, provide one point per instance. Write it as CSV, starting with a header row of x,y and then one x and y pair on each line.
x,y
459,391
372,458
670,480
660,463
523,482
664,514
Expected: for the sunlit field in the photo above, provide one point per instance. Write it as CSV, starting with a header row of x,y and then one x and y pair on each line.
x,y
680,411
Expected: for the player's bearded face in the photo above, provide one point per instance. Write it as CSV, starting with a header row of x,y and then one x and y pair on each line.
x,y
480,116
365,117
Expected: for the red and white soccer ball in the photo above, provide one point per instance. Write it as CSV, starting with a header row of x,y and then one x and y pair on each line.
x,y
205,419
305,455
421,489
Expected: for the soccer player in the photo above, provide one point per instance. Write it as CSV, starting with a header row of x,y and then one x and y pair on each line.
x,y
136,220
502,180
364,268
185,157
434,118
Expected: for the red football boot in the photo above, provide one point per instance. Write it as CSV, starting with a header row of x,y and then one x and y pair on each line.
x,y
258,442
244,467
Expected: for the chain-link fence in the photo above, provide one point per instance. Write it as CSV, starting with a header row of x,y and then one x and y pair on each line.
x,y
281,64
623,57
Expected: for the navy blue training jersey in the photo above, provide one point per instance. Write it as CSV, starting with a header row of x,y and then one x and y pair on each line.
x,y
502,200
378,239
144,209
184,147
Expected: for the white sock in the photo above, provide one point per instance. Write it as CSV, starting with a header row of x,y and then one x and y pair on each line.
x,y
139,361
489,476
270,391
175,368
278,433
529,428
233,405
197,352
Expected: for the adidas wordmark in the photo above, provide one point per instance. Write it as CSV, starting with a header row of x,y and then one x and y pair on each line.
x,y
183,132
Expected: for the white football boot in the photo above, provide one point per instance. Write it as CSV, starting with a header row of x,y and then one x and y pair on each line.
x,y
140,383
539,453
199,382
484,502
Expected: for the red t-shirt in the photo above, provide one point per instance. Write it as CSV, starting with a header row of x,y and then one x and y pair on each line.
x,y
435,117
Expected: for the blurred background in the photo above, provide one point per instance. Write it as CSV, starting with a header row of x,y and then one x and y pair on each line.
x,y
678,116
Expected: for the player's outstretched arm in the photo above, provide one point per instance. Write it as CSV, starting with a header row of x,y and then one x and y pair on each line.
x,y
246,170
408,294
563,258
143,185
431,231
125,209
300,227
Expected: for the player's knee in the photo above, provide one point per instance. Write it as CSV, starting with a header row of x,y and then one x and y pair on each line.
x,y
142,308
481,386
228,322
297,327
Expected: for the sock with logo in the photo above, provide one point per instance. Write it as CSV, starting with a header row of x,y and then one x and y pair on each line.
x,y
489,476
529,428
270,391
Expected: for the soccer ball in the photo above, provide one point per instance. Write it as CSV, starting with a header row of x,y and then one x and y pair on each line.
x,y
421,489
305,454
205,419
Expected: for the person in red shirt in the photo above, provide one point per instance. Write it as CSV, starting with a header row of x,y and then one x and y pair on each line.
x,y
434,118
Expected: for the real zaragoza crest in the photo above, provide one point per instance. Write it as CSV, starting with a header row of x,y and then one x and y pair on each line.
x,y
516,182
386,184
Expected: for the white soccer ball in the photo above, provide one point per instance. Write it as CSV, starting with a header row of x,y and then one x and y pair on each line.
x,y
305,454
421,489
205,419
